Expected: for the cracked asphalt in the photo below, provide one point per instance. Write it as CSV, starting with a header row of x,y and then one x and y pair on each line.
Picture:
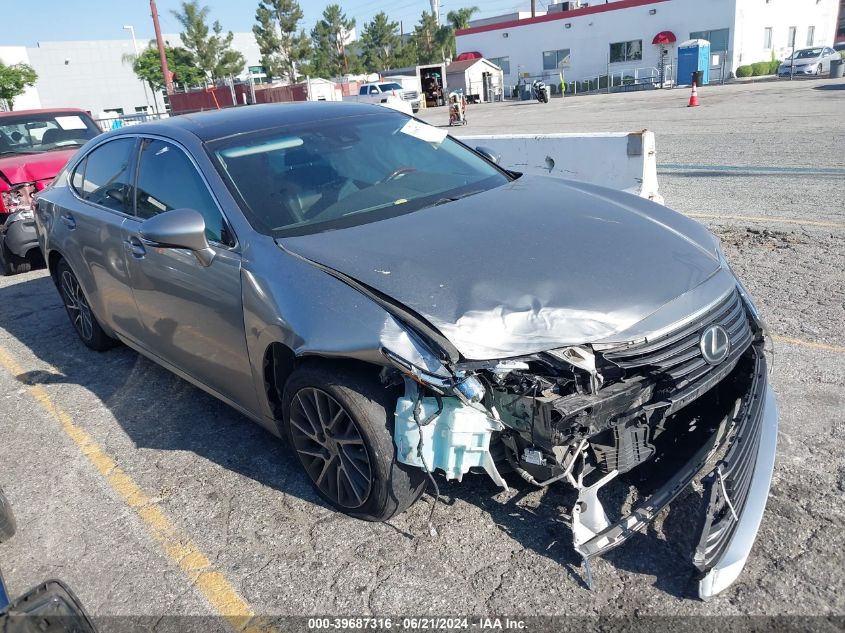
x,y
237,494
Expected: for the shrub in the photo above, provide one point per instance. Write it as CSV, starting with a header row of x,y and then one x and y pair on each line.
x,y
773,67
744,71
760,68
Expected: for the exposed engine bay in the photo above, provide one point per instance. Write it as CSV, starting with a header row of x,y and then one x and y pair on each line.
x,y
660,412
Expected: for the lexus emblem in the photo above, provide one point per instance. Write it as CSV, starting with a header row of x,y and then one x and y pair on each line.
x,y
715,344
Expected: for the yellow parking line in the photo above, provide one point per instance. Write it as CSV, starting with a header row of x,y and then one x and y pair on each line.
x,y
811,344
774,219
179,548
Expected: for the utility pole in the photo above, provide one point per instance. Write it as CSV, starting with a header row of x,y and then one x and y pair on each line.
x,y
435,10
533,8
168,77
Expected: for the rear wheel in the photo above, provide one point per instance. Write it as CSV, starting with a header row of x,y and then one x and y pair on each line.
x,y
14,264
79,310
7,519
340,424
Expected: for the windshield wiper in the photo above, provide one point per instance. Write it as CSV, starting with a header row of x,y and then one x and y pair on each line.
x,y
440,201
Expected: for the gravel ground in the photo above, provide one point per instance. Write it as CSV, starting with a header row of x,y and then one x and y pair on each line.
x,y
233,489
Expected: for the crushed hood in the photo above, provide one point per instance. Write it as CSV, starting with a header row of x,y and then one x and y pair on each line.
x,y
23,168
533,265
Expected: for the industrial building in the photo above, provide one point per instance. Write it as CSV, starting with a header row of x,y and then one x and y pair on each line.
x,y
625,38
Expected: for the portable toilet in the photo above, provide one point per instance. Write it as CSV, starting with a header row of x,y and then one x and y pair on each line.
x,y
694,57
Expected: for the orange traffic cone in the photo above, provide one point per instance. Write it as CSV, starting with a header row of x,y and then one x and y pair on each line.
x,y
693,100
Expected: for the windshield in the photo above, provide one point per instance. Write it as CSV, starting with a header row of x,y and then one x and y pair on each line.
x,y
42,132
343,172
807,53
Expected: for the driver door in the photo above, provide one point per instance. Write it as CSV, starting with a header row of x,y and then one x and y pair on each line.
x,y
192,315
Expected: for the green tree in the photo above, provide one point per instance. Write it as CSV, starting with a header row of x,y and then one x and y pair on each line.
x,y
380,44
330,57
212,51
459,19
14,80
282,49
433,42
147,66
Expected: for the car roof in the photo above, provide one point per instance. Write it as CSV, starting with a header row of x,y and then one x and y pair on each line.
x,y
42,111
216,124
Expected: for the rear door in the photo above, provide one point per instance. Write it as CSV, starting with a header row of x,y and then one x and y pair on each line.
x,y
192,314
88,230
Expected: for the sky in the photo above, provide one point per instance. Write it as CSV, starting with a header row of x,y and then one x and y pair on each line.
x,y
104,19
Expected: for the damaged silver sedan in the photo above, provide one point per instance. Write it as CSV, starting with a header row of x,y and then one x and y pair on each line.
x,y
400,307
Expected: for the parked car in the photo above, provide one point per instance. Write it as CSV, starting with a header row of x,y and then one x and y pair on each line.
x,y
394,302
34,146
808,61
381,92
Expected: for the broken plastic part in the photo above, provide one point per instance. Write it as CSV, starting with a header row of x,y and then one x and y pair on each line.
x,y
588,516
456,440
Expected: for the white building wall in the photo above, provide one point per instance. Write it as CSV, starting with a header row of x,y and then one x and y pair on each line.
x,y
18,55
754,16
589,35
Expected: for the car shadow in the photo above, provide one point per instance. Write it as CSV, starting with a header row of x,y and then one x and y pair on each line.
x,y
831,87
159,410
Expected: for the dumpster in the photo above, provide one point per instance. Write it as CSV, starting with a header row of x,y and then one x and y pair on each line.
x,y
694,57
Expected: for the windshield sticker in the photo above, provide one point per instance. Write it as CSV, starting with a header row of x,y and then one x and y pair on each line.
x,y
71,122
424,132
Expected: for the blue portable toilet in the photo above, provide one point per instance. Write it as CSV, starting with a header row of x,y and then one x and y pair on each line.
x,y
694,56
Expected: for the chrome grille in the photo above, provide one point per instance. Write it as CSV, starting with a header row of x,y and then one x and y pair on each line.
x,y
678,355
733,476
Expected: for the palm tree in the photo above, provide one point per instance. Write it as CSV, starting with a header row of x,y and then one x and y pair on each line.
x,y
460,18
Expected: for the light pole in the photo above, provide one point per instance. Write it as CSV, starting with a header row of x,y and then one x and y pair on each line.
x,y
131,29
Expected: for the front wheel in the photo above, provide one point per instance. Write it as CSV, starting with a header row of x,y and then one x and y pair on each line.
x,y
819,70
13,264
340,424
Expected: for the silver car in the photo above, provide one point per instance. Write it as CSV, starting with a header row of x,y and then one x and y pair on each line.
x,y
808,61
397,305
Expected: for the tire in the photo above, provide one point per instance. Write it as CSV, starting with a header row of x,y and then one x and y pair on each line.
x,y
7,519
79,310
353,467
14,264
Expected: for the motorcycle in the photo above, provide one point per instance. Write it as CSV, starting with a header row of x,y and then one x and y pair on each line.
x,y
540,91
49,608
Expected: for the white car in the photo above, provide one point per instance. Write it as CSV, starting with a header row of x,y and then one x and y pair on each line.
x,y
809,61
381,92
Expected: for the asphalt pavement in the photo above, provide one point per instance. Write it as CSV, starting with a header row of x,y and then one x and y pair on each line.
x,y
150,498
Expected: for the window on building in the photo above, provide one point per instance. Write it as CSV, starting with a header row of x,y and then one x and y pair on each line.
x,y
626,51
767,37
502,62
791,41
811,35
552,60
718,38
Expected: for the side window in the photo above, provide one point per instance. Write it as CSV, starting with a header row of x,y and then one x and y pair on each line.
x,y
374,90
167,180
103,176
362,90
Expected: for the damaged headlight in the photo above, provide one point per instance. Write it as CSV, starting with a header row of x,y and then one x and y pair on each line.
x,y
18,199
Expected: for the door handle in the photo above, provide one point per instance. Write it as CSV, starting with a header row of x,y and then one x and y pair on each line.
x,y
134,246
68,221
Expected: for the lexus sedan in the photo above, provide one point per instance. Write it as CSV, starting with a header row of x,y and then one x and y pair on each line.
x,y
399,306
808,61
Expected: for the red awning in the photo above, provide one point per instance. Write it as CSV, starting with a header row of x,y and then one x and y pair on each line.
x,y
664,37
469,55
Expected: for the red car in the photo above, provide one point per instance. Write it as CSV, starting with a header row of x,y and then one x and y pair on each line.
x,y
34,146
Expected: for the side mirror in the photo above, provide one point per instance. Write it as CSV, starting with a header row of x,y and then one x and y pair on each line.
x,y
179,228
489,154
